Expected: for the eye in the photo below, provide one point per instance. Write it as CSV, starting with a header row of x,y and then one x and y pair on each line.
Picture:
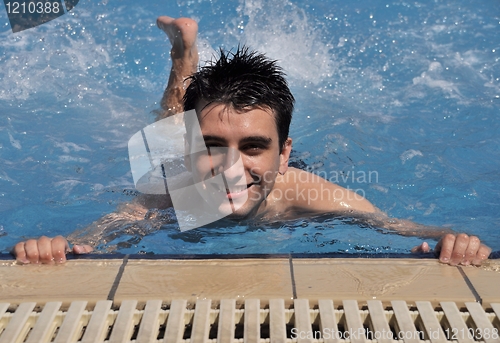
x,y
252,148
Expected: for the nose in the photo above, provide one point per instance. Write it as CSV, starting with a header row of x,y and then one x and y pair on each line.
x,y
233,165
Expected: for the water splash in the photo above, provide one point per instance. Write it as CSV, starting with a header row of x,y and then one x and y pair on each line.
x,y
284,31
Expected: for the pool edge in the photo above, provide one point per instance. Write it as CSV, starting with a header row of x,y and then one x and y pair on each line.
x,y
284,277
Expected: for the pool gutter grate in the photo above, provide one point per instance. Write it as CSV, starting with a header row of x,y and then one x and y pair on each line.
x,y
274,322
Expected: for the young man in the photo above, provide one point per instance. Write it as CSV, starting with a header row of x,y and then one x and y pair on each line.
x,y
243,105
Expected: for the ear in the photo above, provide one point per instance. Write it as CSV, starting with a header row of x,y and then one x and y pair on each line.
x,y
187,156
285,156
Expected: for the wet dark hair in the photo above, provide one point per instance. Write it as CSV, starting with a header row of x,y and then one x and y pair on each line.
x,y
244,79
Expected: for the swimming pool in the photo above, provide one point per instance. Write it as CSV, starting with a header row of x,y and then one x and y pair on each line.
x,y
406,94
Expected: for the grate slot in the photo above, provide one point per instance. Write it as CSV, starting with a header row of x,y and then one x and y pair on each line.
x,y
483,329
227,321
379,328
4,317
496,319
405,324
124,325
201,321
176,321
19,324
456,329
95,330
73,323
303,320
277,320
150,322
46,324
354,323
432,328
328,321
251,330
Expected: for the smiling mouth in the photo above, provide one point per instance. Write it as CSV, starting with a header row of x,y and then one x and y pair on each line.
x,y
235,191
238,189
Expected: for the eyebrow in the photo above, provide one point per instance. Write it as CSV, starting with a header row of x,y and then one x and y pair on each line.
x,y
250,139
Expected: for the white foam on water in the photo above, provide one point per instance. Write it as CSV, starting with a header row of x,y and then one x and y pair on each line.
x,y
409,154
50,61
206,52
68,158
431,78
67,147
379,188
430,209
283,31
421,170
5,177
67,186
79,61
310,54
15,142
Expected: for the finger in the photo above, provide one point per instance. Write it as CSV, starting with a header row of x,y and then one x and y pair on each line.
x,y
45,250
20,253
31,249
416,249
471,250
82,249
445,248
482,254
424,247
459,248
59,249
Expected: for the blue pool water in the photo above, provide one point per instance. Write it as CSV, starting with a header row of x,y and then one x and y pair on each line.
x,y
407,92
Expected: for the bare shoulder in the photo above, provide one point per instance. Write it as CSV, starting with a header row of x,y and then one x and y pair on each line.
x,y
308,191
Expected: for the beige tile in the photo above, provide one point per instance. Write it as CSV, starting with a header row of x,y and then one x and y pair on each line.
x,y
211,279
89,280
486,281
382,279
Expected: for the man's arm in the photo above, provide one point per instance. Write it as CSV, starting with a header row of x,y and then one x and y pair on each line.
x,y
47,250
322,196
452,248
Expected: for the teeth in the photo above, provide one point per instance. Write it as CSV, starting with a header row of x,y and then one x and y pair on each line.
x,y
232,189
237,190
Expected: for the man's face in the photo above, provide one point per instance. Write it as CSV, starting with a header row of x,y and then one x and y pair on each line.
x,y
245,147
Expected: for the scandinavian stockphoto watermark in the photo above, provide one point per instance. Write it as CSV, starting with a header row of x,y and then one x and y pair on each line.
x,y
323,192
207,184
26,14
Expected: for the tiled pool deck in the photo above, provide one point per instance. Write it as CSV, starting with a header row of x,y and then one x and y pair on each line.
x,y
362,279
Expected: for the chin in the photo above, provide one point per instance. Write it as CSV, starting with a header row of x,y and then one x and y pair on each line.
x,y
244,212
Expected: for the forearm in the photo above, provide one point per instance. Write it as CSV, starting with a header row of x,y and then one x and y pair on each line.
x,y
453,248
131,219
140,217
106,228
402,227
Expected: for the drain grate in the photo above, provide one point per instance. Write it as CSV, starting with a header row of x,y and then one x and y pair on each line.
x,y
274,322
